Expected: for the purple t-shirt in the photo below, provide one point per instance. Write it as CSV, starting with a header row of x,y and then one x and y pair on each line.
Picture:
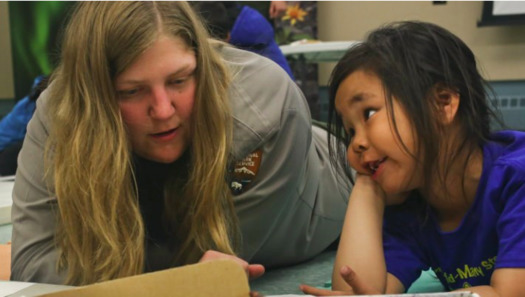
x,y
491,235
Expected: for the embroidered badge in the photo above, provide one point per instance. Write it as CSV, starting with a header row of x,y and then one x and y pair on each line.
x,y
244,172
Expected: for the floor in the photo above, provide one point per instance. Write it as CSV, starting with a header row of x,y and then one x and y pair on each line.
x,y
318,272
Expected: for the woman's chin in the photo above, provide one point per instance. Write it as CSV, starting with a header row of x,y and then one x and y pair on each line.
x,y
162,158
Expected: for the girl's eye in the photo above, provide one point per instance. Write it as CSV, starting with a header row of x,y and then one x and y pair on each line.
x,y
369,113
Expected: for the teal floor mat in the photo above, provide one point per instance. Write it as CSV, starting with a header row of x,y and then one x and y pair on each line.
x,y
318,272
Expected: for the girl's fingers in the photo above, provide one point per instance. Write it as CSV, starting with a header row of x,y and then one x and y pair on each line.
x,y
359,287
309,290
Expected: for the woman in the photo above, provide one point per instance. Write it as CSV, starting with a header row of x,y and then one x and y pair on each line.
x,y
153,145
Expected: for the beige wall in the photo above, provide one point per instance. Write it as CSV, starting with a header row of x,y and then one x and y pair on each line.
x,y
499,49
7,89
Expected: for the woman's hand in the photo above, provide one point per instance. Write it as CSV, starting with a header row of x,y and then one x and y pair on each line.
x,y
253,271
358,286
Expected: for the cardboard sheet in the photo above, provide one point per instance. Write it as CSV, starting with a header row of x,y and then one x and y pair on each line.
x,y
222,278
449,294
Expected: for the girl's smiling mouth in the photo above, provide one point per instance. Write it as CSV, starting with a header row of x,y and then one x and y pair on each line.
x,y
373,167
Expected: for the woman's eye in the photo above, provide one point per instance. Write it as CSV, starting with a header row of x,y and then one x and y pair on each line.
x,y
127,93
180,80
369,113
177,81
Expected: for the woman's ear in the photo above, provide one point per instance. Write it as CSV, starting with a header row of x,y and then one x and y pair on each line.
x,y
447,102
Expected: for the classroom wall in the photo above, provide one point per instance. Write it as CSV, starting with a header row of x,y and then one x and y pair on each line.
x,y
500,49
7,90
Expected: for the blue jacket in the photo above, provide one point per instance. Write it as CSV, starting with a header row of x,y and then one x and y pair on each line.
x,y
13,125
253,32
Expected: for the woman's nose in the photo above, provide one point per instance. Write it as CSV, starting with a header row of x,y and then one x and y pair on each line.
x,y
162,105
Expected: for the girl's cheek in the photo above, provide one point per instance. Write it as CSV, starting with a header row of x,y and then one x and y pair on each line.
x,y
353,161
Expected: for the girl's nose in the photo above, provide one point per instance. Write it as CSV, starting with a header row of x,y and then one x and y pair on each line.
x,y
162,105
359,142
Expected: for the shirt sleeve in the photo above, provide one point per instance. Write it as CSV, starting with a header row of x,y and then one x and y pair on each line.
x,y
295,206
34,253
510,226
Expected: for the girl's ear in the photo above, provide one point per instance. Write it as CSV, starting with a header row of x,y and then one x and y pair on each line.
x,y
447,103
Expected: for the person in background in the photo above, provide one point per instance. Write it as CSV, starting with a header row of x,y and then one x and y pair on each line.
x,y
435,187
243,27
13,127
269,9
277,8
155,146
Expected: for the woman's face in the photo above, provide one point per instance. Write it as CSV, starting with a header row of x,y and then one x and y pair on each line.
x,y
374,148
156,95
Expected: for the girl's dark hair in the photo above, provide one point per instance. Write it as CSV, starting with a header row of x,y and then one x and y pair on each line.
x,y
412,59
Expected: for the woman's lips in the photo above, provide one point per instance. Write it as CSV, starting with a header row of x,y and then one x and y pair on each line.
x,y
166,135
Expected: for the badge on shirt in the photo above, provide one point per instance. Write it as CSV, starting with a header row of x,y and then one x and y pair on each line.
x,y
244,172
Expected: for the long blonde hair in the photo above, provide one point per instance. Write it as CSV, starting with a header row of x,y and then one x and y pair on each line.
x,y
100,233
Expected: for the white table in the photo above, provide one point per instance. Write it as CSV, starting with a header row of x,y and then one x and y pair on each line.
x,y
6,199
318,51
23,289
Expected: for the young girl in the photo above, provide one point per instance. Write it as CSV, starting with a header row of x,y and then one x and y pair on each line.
x,y
435,187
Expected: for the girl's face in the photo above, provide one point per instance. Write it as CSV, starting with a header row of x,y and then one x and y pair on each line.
x,y
156,95
374,148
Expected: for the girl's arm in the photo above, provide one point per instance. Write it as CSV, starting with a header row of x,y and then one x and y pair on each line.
x,y
361,245
360,266
505,282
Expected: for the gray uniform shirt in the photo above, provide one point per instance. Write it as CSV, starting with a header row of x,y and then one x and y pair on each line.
x,y
290,210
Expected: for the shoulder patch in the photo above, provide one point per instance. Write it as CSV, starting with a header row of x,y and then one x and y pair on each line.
x,y
245,171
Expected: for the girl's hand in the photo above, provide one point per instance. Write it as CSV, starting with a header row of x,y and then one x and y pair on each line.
x,y
365,184
309,290
253,271
372,186
358,286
